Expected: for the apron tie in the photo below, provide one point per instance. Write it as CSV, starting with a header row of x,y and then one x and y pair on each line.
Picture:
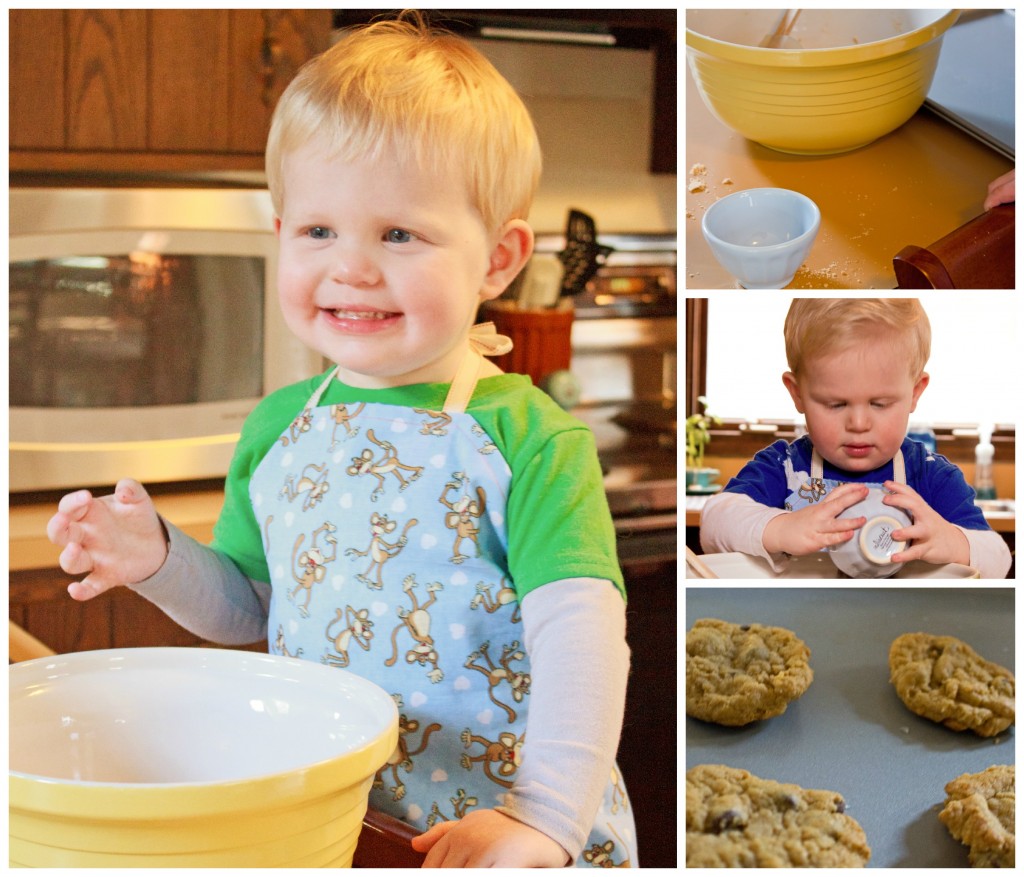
x,y
484,340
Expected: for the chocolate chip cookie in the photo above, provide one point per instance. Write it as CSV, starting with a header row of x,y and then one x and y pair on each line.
x,y
737,820
740,673
979,812
945,680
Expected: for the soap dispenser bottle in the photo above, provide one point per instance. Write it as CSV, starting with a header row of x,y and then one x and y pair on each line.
x,y
984,485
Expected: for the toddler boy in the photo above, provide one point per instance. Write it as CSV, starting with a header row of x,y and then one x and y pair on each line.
x,y
414,515
856,374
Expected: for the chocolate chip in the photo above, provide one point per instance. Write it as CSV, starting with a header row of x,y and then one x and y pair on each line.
x,y
840,805
719,822
744,627
787,801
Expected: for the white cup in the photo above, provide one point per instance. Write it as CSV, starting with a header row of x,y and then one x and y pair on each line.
x,y
868,554
762,236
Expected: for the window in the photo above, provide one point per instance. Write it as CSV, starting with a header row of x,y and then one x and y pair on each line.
x,y
975,378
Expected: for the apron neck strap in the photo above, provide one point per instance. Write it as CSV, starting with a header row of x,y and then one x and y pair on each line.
x,y
314,400
484,340
899,469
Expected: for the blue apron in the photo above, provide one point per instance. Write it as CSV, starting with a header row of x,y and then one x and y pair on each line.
x,y
385,537
818,487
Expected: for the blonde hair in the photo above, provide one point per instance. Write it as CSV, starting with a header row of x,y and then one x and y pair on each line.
x,y
817,327
403,85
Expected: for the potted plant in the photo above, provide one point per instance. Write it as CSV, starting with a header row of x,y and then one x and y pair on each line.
x,y
699,478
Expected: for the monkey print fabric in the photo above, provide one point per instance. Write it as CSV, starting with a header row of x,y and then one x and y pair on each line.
x,y
385,539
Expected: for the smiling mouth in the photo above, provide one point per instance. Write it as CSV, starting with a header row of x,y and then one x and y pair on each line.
x,y
343,314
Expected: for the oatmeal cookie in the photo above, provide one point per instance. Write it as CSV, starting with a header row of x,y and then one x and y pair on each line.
x,y
945,680
979,812
737,820
740,673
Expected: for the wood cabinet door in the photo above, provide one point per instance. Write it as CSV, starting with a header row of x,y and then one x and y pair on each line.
x,y
36,64
105,54
215,75
268,46
189,98
156,89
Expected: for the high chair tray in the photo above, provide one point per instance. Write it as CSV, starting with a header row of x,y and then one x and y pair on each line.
x,y
850,733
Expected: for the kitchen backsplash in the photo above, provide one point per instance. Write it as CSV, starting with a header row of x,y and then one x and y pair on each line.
x,y
592,108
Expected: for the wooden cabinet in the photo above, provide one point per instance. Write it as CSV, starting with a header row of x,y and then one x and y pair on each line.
x,y
137,90
39,603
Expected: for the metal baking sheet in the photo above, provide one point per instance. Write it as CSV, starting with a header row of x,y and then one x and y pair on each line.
x,y
974,81
850,733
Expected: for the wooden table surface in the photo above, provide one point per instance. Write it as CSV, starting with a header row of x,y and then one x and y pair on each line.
x,y
913,186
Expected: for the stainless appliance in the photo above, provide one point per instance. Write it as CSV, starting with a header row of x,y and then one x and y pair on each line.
x,y
624,358
144,327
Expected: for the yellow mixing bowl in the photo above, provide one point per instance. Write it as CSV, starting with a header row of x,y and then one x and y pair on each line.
x,y
191,758
814,101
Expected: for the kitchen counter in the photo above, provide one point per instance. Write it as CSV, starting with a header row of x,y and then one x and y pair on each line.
x,y
193,511
640,482
913,186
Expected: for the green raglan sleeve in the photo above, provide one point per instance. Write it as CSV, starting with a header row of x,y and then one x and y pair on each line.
x,y
237,532
559,524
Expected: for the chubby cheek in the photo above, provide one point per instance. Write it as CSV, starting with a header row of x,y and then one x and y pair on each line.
x,y
823,430
294,289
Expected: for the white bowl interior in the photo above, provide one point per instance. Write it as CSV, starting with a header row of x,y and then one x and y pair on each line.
x,y
760,218
184,715
815,28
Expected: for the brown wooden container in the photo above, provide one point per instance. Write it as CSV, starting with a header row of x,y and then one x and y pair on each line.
x,y
541,337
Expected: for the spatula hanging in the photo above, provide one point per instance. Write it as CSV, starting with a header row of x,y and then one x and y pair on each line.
x,y
582,255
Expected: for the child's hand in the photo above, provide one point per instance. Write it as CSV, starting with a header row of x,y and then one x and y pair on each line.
x,y
1001,190
116,539
935,539
488,839
817,525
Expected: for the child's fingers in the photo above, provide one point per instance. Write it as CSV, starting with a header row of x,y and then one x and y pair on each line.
x,y
423,842
845,496
74,559
837,538
129,491
75,505
87,588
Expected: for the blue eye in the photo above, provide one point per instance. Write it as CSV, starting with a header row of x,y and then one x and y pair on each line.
x,y
398,236
319,232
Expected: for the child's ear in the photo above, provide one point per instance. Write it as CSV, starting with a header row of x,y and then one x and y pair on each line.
x,y
789,379
511,252
922,382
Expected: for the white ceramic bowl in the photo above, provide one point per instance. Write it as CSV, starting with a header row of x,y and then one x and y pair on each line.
x,y
191,757
762,236
867,555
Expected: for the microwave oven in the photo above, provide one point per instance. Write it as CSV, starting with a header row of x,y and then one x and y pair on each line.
x,y
143,328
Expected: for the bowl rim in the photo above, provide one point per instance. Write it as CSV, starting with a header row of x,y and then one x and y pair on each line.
x,y
767,248
66,796
827,57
